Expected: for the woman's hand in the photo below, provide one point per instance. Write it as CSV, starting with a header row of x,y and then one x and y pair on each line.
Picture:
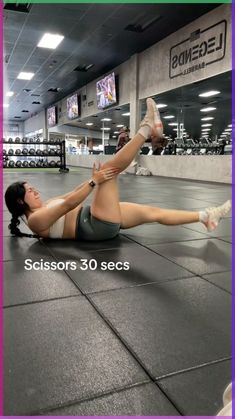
x,y
100,176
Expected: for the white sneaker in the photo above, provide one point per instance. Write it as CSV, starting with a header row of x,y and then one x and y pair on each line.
x,y
215,214
158,127
152,119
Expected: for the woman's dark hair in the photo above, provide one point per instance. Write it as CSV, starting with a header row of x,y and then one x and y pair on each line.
x,y
14,198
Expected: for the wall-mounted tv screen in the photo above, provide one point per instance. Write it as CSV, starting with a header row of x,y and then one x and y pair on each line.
x,y
52,116
72,106
106,91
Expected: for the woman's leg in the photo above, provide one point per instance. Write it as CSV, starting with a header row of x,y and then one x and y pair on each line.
x,y
134,214
151,124
105,205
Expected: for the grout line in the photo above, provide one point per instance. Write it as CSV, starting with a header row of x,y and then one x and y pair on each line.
x,y
41,301
196,367
89,398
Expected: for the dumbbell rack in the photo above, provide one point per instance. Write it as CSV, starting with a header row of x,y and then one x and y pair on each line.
x,y
61,154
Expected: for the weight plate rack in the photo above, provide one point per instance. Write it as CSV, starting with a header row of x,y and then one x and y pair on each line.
x,y
24,151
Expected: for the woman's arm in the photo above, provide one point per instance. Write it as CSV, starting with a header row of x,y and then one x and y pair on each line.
x,y
66,195
44,217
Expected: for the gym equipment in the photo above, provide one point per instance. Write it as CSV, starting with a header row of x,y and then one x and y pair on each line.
x,y
53,148
4,164
11,163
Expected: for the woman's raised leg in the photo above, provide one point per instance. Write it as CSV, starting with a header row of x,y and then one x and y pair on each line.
x,y
151,124
105,205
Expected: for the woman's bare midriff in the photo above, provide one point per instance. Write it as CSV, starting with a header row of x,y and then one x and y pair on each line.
x,y
69,225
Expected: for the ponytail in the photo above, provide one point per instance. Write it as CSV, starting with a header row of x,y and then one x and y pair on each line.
x,y
15,231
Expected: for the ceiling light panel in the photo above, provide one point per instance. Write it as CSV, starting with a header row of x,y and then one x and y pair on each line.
x,y
209,109
210,93
50,41
25,76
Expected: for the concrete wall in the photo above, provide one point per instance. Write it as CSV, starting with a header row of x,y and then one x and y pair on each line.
x,y
35,123
154,62
204,168
13,129
207,168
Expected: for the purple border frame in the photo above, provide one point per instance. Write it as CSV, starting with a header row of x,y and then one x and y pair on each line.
x,y
1,227
233,195
1,210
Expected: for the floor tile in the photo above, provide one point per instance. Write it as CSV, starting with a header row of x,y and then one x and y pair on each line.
x,y
124,267
222,280
65,352
199,392
199,256
144,400
171,326
24,286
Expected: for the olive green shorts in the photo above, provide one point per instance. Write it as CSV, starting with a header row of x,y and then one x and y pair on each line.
x,y
91,229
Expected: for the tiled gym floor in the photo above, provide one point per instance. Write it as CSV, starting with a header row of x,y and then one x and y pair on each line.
x,y
152,340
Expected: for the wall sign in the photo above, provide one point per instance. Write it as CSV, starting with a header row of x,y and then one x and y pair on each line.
x,y
202,48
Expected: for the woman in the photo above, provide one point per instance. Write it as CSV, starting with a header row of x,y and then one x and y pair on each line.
x,y
65,217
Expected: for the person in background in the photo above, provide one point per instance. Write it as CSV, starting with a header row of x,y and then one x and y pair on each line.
x,y
123,138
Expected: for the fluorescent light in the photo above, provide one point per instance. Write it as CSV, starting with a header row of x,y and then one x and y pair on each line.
x,y
173,124
89,124
169,117
105,129
50,41
25,76
210,93
119,126
175,129
9,94
206,125
228,129
106,119
116,132
126,114
208,109
207,118
114,136
6,105
161,105
230,125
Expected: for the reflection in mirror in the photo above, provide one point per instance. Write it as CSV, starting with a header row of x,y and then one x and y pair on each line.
x,y
197,118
